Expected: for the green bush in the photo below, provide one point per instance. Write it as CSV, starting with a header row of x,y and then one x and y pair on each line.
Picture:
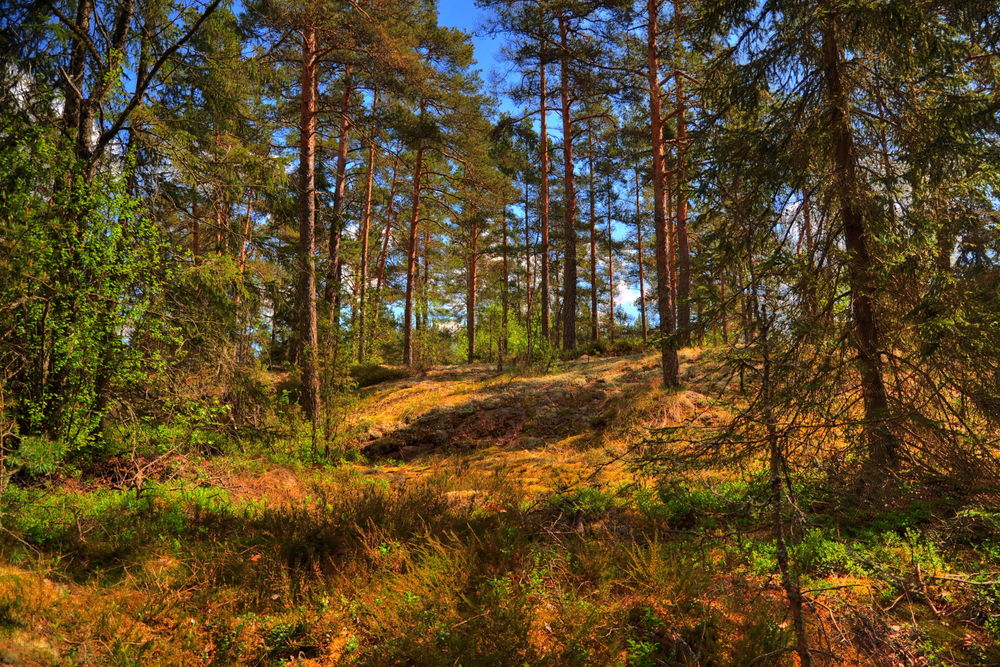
x,y
82,275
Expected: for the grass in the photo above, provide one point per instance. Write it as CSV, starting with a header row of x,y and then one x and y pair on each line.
x,y
499,556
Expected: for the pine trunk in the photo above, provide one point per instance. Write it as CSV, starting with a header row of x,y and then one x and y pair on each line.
x,y
505,298
668,344
331,295
611,273
411,257
683,249
544,203
642,269
363,233
881,443
569,224
307,335
527,272
471,285
594,324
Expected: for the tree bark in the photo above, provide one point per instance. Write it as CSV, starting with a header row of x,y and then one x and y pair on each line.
x,y
390,221
594,324
308,337
611,271
668,342
642,269
504,296
527,273
411,251
569,224
332,293
366,221
683,249
543,198
471,285
882,445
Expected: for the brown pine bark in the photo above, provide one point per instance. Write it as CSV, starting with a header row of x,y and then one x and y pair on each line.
x,y
594,325
569,188
882,445
642,269
307,334
332,291
611,273
527,273
543,197
411,255
423,279
504,295
363,233
74,78
471,288
683,248
668,344
390,221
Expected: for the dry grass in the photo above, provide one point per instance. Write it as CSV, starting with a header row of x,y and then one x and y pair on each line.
x,y
531,547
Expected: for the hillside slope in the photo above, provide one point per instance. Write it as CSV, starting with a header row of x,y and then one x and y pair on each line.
x,y
489,519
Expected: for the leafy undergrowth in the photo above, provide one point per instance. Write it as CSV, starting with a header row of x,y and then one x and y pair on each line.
x,y
531,543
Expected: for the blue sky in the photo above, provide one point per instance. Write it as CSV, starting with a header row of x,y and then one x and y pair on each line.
x,y
465,15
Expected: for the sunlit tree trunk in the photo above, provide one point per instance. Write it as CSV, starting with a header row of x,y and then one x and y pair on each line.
x,y
668,345
569,224
683,249
504,295
366,221
307,334
543,198
411,254
642,268
594,325
471,289
332,292
527,272
611,272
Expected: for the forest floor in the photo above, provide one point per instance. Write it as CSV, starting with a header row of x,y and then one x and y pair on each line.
x,y
481,518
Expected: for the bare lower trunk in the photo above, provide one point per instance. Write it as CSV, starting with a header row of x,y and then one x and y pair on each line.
x,y
611,274
683,249
594,325
363,233
307,332
505,298
331,294
543,197
668,343
881,443
642,269
527,273
390,221
471,285
569,224
411,257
